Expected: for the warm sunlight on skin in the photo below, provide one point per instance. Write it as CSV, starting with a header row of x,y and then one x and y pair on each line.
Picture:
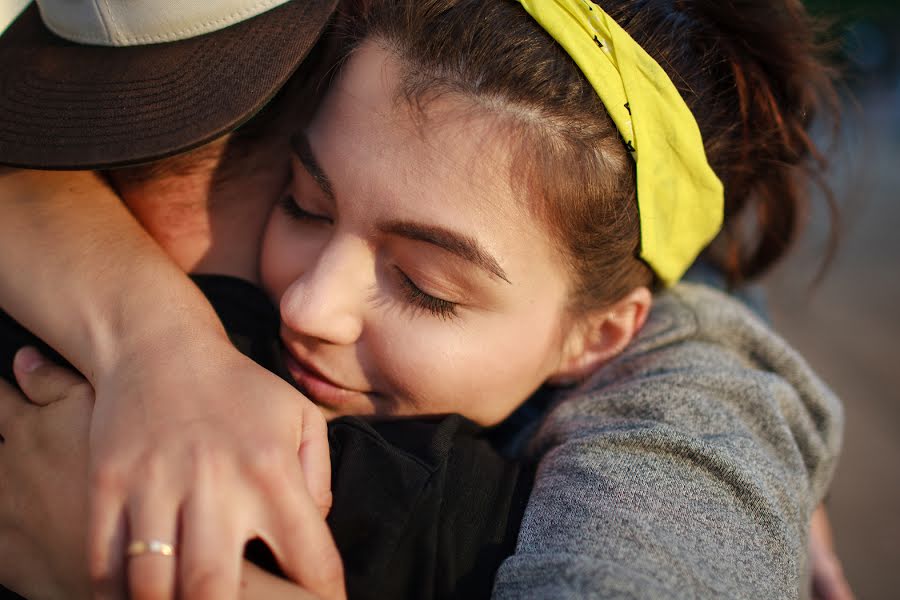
x,y
411,277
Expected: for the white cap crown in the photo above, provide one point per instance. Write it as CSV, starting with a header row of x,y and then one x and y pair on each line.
x,y
138,22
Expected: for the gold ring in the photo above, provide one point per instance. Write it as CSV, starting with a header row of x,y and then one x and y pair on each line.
x,y
138,547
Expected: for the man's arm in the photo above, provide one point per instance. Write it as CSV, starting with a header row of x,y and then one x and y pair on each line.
x,y
174,398
83,275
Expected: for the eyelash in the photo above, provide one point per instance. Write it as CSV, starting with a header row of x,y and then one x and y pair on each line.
x,y
439,307
296,212
443,309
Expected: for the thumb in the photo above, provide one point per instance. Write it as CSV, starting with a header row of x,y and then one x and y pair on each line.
x,y
42,381
315,458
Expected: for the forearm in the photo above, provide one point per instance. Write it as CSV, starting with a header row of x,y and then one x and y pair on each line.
x,y
81,273
174,398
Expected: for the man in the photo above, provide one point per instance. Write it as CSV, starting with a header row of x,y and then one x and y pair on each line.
x,y
120,83
412,475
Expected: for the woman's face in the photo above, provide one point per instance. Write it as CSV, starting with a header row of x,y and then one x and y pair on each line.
x,y
411,277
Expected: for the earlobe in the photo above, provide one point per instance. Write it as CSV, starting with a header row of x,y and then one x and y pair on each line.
x,y
601,336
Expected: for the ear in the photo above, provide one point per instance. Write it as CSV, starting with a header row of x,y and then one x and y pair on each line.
x,y
601,335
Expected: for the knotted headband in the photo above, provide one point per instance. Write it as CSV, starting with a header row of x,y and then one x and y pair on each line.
x,y
680,198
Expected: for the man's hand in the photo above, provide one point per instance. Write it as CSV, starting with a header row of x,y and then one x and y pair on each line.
x,y
43,482
44,467
828,581
206,471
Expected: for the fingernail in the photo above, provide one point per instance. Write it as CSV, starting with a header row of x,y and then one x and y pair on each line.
x,y
28,359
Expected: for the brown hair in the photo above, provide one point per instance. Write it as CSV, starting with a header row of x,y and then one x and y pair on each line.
x,y
749,71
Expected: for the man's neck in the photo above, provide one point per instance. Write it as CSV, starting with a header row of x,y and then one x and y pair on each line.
x,y
207,209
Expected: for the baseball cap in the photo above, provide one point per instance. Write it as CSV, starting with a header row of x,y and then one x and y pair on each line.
x,y
103,83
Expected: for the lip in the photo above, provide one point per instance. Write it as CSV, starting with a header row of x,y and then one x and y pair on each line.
x,y
320,388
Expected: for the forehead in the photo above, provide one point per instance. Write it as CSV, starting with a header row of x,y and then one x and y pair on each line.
x,y
444,159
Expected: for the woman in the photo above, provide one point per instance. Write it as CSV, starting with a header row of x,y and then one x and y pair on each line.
x,y
730,436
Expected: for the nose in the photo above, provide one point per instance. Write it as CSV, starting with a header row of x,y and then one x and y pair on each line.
x,y
327,302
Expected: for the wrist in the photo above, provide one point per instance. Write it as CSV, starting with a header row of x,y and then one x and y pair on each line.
x,y
122,294
182,336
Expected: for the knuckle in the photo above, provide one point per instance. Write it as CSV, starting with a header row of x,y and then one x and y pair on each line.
x,y
151,467
208,463
266,465
324,500
268,453
108,479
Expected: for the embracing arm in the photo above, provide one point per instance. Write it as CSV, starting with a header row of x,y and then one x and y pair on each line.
x,y
175,400
67,254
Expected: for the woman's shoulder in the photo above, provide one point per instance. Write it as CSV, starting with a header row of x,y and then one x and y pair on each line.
x,y
694,313
687,467
709,370
698,333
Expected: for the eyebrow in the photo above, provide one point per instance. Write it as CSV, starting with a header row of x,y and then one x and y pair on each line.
x,y
456,243
303,152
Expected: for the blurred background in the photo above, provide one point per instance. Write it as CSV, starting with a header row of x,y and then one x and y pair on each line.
x,y
848,326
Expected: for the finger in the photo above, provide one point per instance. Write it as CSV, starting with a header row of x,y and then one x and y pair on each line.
x,y
42,381
315,459
829,582
152,528
302,542
106,538
257,583
211,547
15,552
12,402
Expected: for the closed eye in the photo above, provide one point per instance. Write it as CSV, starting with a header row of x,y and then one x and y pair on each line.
x,y
296,212
414,295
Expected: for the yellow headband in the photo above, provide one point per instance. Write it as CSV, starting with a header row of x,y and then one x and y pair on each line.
x,y
680,199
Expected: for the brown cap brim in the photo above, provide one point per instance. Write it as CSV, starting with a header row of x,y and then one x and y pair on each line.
x,y
70,106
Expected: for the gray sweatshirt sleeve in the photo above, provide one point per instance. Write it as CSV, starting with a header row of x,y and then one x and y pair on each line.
x,y
686,468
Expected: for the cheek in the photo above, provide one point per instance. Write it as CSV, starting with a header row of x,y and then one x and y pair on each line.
x,y
285,256
483,368
273,267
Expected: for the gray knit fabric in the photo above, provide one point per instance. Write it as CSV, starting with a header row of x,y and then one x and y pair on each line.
x,y
686,468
